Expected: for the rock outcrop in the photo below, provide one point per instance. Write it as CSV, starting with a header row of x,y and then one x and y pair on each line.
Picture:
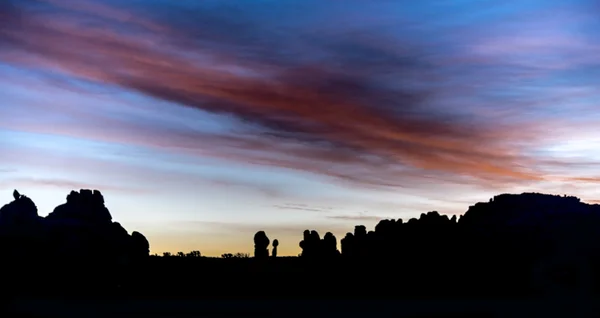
x,y
530,224
261,245
536,222
80,229
21,211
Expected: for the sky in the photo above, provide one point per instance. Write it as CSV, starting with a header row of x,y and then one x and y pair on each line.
x,y
203,122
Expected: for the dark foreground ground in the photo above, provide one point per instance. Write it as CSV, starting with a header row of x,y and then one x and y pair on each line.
x,y
283,278
298,308
289,287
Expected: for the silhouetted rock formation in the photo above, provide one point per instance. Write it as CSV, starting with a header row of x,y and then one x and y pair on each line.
x,y
511,245
305,244
275,244
514,234
21,211
140,247
84,206
313,247
348,245
79,230
329,245
261,245
310,244
506,217
21,229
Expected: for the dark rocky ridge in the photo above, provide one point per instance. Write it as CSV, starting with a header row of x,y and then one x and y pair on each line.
x,y
505,247
534,217
82,229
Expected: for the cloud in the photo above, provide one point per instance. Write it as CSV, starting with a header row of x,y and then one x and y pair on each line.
x,y
272,191
116,168
360,107
280,229
66,184
548,36
359,217
585,179
302,207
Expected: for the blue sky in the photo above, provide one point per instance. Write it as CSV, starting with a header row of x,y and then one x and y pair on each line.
x,y
203,122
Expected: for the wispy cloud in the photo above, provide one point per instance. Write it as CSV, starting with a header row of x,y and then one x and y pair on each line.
x,y
359,217
67,185
227,228
469,104
303,207
366,109
267,190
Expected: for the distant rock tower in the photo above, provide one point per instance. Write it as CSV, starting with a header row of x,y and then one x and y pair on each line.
x,y
275,244
261,245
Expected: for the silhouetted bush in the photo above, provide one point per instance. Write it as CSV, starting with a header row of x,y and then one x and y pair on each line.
x,y
236,255
194,254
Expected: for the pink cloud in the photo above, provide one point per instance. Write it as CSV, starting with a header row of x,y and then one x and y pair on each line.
x,y
314,117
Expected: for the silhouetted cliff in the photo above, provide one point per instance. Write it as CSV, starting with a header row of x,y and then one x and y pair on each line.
x,y
537,222
527,240
80,229
524,219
